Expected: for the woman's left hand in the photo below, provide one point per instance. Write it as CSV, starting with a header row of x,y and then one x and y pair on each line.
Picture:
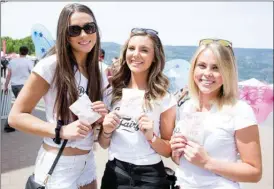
x,y
146,126
196,154
100,108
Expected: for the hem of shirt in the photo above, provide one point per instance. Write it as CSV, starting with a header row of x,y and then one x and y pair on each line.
x,y
148,160
67,145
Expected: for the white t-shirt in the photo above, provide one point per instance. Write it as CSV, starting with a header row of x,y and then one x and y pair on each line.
x,y
219,142
46,69
129,144
20,70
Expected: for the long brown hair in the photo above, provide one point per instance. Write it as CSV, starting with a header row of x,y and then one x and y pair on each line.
x,y
64,76
157,81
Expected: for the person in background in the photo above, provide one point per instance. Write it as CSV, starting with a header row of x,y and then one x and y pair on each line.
x,y
4,65
113,68
69,70
115,59
103,66
228,127
136,146
19,70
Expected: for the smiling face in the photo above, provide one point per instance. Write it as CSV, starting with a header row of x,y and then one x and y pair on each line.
x,y
84,42
207,75
140,54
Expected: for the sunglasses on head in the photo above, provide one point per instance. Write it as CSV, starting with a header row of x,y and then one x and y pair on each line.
x,y
223,42
75,30
144,30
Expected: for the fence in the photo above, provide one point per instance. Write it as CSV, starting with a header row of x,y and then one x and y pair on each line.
x,y
5,105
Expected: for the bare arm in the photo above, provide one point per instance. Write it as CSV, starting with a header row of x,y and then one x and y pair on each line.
x,y
20,116
167,121
110,123
104,139
250,169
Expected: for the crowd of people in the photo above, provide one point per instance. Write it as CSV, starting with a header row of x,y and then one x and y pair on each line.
x,y
207,153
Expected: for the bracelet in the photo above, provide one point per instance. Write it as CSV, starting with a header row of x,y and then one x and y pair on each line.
x,y
57,138
107,133
106,136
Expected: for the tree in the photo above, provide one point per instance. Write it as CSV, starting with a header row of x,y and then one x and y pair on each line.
x,y
13,45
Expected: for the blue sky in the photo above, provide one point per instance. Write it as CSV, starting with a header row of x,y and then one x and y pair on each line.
x,y
246,24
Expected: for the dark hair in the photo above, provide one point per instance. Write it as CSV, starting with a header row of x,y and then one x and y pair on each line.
x,y
102,53
23,50
64,79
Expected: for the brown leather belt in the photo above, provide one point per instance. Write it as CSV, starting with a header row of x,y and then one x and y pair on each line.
x,y
68,151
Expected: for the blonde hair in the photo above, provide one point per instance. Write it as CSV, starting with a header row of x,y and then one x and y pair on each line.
x,y
226,63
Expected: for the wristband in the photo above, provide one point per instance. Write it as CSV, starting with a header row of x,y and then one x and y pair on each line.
x,y
153,139
57,138
107,133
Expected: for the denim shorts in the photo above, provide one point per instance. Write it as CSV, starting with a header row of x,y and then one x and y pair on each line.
x,y
71,172
130,176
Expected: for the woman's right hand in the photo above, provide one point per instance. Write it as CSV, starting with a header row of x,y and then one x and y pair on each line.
x,y
177,144
75,130
111,121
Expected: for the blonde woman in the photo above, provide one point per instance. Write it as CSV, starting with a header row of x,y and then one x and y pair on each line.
x,y
228,127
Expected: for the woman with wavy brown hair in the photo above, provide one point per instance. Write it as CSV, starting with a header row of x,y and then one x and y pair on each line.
x,y
70,70
136,146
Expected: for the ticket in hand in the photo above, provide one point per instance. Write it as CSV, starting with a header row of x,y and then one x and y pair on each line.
x,y
83,109
191,126
132,103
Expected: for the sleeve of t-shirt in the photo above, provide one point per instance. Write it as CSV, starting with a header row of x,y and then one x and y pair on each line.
x,y
107,97
167,102
46,68
244,116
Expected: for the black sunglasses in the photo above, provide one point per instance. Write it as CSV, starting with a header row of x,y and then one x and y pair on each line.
x,y
75,30
144,30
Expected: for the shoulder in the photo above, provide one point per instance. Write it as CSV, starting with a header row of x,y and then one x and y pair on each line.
x,y
46,68
167,101
239,108
243,114
48,63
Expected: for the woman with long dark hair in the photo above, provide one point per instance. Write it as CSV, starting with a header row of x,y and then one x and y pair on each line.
x,y
68,71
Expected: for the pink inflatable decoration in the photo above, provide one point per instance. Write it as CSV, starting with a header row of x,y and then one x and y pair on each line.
x,y
259,95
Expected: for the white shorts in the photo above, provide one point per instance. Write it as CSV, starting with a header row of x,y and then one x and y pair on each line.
x,y
71,172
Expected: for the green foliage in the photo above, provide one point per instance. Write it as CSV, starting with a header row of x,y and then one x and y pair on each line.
x,y
13,45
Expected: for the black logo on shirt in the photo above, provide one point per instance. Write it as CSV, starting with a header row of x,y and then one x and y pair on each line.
x,y
81,90
127,123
